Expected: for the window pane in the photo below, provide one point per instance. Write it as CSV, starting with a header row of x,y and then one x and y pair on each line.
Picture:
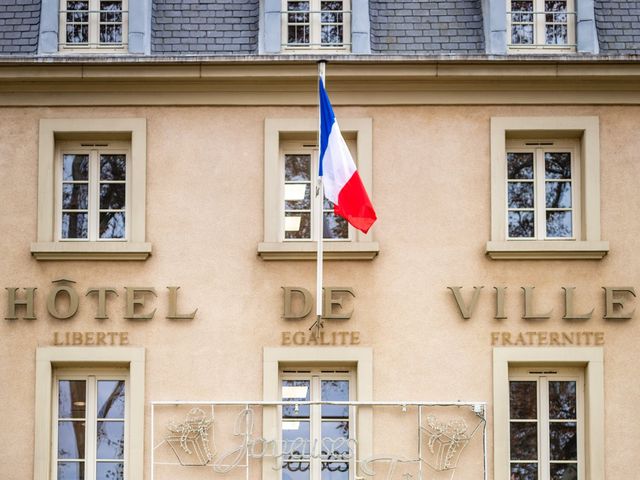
x,y
520,166
75,196
335,440
75,167
524,441
71,398
78,33
522,11
110,440
113,167
71,471
562,400
331,12
297,168
297,225
295,390
564,471
562,440
520,194
111,11
331,34
297,196
335,471
558,194
110,398
109,471
521,224
112,225
558,9
111,33
559,224
77,11
71,439
334,226
523,400
296,471
112,196
556,35
295,439
524,471
298,34
335,391
557,165
74,225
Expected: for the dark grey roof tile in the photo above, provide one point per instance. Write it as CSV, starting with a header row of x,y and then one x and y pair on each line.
x,y
617,24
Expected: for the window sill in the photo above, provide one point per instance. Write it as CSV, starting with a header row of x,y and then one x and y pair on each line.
x,y
547,250
90,251
307,250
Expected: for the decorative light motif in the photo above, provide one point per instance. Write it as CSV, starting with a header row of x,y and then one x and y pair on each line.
x,y
193,436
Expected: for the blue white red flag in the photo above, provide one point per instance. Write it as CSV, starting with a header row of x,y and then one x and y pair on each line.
x,y
340,178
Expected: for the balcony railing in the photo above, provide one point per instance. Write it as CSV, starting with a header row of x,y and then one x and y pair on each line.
x,y
378,440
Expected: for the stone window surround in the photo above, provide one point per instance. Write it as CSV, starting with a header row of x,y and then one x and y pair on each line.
x,y
361,358
271,27
48,358
361,247
587,130
139,27
133,130
589,358
495,27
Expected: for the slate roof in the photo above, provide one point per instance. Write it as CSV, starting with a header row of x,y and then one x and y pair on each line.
x,y
205,26
224,27
618,25
427,27
19,25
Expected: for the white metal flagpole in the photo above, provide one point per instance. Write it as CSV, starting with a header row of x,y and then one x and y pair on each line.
x,y
319,211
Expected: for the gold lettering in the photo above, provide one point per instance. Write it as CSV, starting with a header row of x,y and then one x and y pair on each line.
x,y
101,292
520,340
611,302
298,338
111,336
542,338
56,340
466,310
313,340
100,339
173,307
495,336
567,339
529,307
569,306
89,338
329,300
530,336
599,338
28,303
554,338
52,300
132,301
355,338
506,338
124,338
307,303
77,338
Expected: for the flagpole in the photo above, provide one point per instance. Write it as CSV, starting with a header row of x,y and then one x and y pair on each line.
x,y
319,209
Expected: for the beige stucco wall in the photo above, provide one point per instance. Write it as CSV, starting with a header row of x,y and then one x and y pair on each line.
x,y
431,183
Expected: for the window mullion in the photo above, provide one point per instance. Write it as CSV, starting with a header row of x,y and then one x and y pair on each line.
x,y
94,202
543,443
316,429
539,202
91,429
314,23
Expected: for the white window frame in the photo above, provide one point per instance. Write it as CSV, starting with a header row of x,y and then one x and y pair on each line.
x,y
539,147
279,130
307,148
94,149
315,24
91,376
55,132
315,375
588,245
542,376
539,23
48,360
359,359
588,359
94,45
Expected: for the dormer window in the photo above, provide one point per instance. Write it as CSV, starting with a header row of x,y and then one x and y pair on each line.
x,y
93,26
543,26
316,25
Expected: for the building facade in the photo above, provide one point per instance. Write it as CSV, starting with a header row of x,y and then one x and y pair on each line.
x,y
159,162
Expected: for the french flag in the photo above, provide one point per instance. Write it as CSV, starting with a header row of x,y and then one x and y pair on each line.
x,y
340,178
